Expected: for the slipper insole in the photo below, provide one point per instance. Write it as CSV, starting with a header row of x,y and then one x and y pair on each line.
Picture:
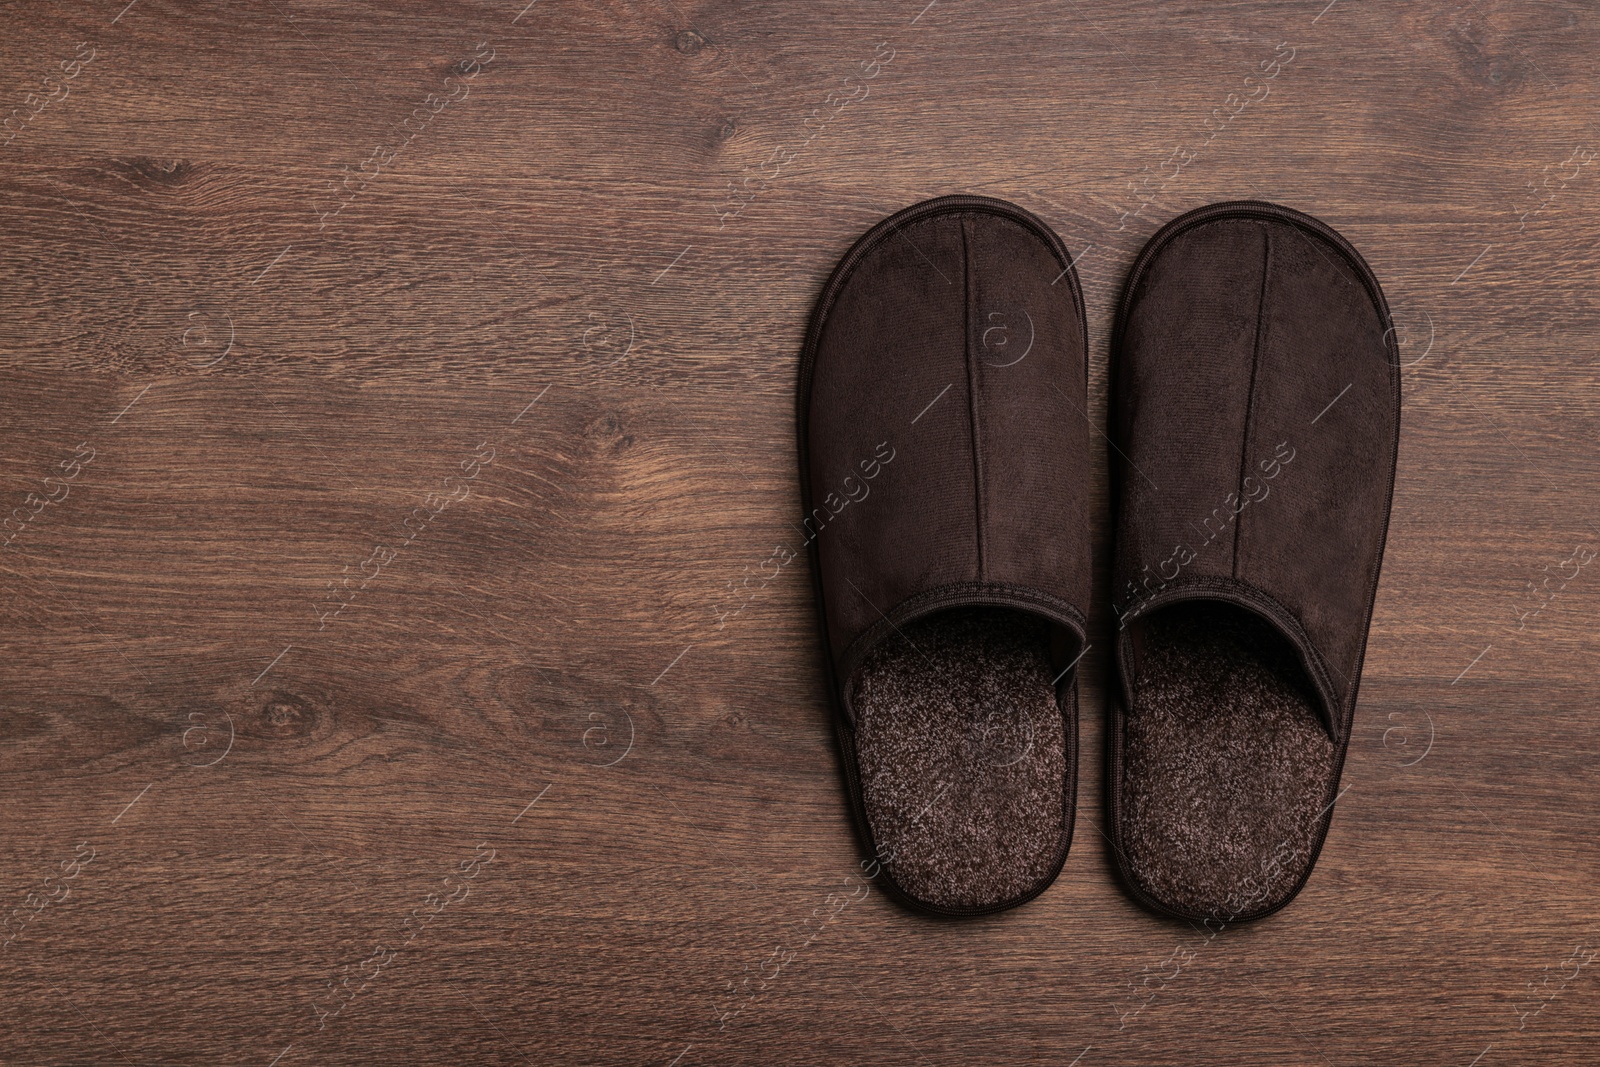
x,y
962,752
1226,763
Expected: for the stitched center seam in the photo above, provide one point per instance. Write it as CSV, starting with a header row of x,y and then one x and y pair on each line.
x,y
968,318
1250,396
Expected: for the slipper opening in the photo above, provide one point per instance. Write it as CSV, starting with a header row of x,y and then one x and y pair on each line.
x,y
964,754
1226,762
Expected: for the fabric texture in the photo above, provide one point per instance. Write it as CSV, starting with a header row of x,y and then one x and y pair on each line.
x,y
1220,745
944,466
962,749
1255,419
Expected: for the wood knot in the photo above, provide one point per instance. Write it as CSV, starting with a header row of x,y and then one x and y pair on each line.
x,y
280,717
166,172
1486,60
608,433
689,42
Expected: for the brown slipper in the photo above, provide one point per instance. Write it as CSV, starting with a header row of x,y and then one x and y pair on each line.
x,y
1255,415
945,476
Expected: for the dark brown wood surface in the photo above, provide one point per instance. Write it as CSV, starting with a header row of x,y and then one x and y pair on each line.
x,y
400,664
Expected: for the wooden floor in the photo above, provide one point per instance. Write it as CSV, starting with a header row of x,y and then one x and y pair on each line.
x,y
401,664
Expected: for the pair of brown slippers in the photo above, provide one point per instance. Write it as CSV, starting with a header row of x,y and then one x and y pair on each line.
x,y
944,458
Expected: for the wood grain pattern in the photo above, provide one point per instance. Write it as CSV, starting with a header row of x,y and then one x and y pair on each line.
x,y
383,680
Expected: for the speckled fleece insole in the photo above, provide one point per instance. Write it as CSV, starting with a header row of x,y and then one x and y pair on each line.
x,y
1226,763
962,751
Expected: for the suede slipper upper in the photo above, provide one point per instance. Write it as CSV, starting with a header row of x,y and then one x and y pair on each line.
x,y
944,470
1255,420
